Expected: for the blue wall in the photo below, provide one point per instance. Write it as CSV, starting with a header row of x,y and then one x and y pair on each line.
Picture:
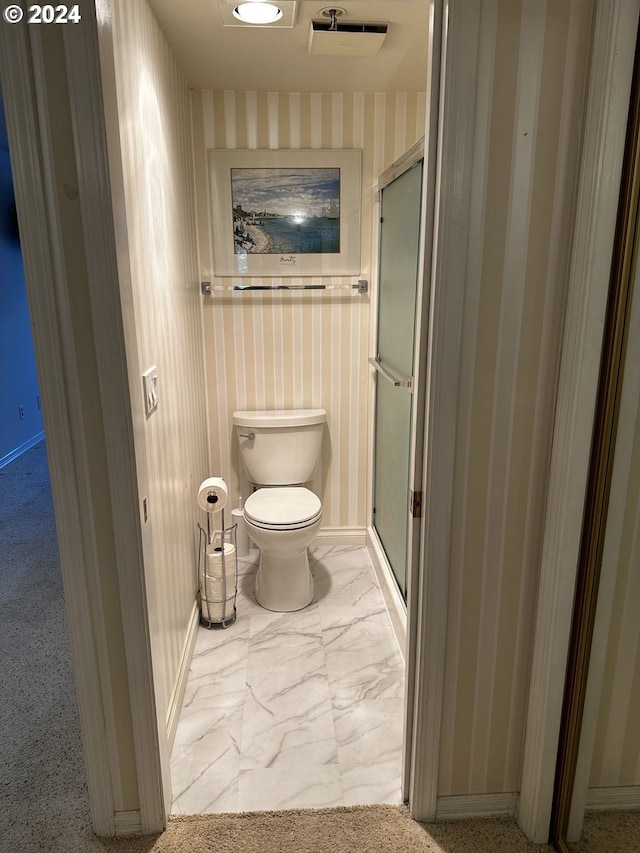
x,y
18,380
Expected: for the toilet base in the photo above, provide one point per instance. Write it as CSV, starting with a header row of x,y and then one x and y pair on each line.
x,y
284,582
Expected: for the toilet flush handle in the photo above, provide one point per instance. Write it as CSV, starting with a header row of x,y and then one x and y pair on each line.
x,y
250,435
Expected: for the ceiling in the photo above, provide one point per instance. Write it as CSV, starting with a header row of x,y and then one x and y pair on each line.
x,y
276,59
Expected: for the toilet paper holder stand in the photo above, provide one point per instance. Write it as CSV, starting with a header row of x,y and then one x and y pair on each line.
x,y
218,590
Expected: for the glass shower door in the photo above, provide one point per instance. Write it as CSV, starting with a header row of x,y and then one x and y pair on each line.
x,y
394,362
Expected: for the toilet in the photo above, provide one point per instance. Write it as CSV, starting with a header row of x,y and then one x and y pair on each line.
x,y
280,450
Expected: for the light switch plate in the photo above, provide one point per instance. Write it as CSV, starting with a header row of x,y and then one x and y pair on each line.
x,y
150,389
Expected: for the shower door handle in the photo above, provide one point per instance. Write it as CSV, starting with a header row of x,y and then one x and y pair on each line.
x,y
407,383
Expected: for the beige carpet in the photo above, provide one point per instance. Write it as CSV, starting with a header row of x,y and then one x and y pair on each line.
x,y
610,832
356,829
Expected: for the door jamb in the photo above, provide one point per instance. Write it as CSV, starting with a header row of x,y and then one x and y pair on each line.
x,y
448,172
90,61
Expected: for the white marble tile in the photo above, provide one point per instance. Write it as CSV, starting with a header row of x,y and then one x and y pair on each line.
x,y
371,784
210,711
288,715
369,739
219,662
353,678
286,710
204,773
303,738
363,661
271,632
246,604
345,576
346,627
290,787
369,732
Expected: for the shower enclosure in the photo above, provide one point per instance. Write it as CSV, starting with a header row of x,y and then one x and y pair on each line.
x,y
396,499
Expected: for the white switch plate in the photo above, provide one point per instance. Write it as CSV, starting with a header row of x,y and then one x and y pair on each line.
x,y
150,389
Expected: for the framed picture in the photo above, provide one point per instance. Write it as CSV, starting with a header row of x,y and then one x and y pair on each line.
x,y
286,212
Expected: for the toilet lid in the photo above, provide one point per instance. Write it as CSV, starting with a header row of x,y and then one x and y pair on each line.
x,y
282,508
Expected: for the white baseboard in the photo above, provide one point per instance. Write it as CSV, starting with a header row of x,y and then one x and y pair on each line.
x,y
396,608
177,694
342,536
476,805
613,799
128,823
18,451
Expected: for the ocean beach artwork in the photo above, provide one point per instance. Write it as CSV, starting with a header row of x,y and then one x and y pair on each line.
x,y
285,212
280,211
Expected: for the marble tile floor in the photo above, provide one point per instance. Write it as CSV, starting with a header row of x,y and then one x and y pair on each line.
x,y
294,710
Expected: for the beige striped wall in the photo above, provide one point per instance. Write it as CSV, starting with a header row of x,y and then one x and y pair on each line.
x,y
530,90
295,350
154,115
616,754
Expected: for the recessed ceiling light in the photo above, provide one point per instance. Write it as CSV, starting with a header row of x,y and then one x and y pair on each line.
x,y
257,12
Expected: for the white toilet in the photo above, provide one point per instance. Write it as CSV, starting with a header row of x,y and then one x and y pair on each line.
x,y
280,450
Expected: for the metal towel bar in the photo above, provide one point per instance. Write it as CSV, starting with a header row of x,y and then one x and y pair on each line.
x,y
407,383
362,286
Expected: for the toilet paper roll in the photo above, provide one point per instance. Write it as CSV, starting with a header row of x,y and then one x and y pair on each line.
x,y
213,494
214,560
215,592
217,611
218,589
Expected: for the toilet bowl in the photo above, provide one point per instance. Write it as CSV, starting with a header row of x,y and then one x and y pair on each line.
x,y
280,450
283,522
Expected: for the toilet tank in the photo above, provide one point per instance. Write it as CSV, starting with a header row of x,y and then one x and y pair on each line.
x,y
285,446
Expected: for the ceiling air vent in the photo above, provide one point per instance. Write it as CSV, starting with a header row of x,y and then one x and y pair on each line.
x,y
346,39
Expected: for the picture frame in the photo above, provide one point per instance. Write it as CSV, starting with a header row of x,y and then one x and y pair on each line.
x,y
293,212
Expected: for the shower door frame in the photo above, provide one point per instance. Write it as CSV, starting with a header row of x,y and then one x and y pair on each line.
x,y
414,155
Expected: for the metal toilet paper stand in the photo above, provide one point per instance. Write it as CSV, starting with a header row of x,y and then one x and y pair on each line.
x,y
217,574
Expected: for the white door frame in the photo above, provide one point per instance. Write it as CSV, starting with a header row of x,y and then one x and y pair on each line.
x,y
30,115
449,143
92,90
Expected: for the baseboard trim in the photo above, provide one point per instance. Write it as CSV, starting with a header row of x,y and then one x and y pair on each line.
x,y
128,823
396,607
342,536
177,694
476,805
18,451
613,799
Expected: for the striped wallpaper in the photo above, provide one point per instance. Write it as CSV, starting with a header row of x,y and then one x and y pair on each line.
x,y
154,115
295,350
530,90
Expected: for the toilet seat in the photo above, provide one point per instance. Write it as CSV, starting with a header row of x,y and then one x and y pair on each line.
x,y
288,508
